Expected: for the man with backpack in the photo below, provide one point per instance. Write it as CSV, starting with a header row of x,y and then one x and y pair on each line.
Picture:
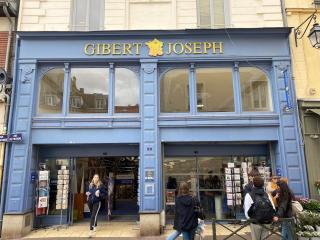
x,y
259,207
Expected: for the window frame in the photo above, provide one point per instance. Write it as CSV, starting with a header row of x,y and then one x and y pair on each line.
x,y
270,93
86,27
41,74
190,81
66,91
227,17
235,68
233,79
136,70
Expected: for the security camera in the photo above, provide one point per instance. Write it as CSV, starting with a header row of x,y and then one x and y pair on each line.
x,y
3,76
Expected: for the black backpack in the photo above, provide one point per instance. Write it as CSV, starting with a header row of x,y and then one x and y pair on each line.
x,y
261,210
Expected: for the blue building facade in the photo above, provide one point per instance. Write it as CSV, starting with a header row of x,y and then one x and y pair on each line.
x,y
213,96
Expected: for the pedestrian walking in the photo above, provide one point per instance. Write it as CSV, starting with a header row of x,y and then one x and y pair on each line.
x,y
186,217
259,207
248,187
96,192
284,209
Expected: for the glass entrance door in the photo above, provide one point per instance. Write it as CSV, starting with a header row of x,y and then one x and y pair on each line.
x,y
207,179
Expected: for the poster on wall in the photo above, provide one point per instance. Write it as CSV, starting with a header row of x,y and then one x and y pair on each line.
x,y
43,202
43,175
170,197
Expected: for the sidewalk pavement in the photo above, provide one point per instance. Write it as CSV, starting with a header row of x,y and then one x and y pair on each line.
x,y
118,230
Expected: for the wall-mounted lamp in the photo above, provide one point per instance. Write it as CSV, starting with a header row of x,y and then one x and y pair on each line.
x,y
314,35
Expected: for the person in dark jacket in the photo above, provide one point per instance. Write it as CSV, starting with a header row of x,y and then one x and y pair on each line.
x,y
95,194
249,186
284,209
185,219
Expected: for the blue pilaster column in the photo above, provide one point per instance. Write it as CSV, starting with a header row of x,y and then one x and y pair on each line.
x,y
289,151
19,190
19,200
150,161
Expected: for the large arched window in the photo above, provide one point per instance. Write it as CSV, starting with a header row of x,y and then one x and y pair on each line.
x,y
126,91
51,92
174,91
255,92
214,90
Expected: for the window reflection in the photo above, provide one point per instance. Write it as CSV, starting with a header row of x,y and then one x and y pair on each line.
x,y
89,90
174,89
255,91
51,92
214,90
126,91
207,179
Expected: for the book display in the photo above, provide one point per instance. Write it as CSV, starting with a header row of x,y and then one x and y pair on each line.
x,y
43,193
62,188
233,186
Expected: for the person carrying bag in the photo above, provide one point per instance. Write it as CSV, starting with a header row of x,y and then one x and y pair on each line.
x,y
187,211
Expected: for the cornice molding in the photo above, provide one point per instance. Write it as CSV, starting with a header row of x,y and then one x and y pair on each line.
x,y
300,10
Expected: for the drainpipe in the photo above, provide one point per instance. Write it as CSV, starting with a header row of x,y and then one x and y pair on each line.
x,y
4,147
284,15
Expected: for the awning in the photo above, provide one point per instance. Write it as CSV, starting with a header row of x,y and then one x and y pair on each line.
x,y
314,110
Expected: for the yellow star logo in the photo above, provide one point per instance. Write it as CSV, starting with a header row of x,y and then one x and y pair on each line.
x,y
155,47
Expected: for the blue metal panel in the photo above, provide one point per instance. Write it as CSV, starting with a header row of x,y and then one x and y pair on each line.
x,y
217,134
87,135
213,149
87,150
273,46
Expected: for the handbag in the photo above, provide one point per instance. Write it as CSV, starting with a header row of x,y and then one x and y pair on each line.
x,y
296,207
198,210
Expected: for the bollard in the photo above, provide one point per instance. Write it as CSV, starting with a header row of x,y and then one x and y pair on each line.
x,y
214,230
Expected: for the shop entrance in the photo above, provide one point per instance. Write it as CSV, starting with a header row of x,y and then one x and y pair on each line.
x,y
65,171
216,173
120,177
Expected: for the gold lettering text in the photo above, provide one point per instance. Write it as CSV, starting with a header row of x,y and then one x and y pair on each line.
x,y
217,46
138,47
175,48
127,49
197,48
206,46
98,49
116,49
89,49
169,49
188,49
106,49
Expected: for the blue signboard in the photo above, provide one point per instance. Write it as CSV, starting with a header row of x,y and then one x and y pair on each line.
x,y
16,137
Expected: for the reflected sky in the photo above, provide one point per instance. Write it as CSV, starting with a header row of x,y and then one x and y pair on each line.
x,y
96,80
127,87
93,80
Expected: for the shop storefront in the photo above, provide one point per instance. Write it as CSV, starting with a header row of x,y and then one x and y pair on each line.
x,y
202,106
310,122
